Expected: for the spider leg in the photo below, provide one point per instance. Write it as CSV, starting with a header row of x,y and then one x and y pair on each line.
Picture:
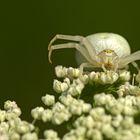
x,y
136,66
77,46
83,40
89,47
85,65
129,59
65,37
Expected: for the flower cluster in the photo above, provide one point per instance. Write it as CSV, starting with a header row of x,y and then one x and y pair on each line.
x,y
12,127
105,117
88,106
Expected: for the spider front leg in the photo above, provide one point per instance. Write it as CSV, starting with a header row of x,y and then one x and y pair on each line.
x,y
82,50
65,37
82,40
129,59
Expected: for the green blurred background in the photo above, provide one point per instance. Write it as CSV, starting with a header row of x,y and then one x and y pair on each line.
x,y
28,26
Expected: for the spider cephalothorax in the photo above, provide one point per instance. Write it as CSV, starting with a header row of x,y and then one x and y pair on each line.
x,y
108,51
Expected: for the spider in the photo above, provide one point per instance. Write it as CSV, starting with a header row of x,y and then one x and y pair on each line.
x,y
108,51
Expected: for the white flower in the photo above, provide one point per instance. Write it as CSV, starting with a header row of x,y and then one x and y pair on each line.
x,y
30,136
94,76
73,72
108,130
80,131
84,78
50,134
88,122
10,105
76,88
22,127
10,115
114,107
124,75
48,99
76,108
108,77
100,99
127,122
66,99
67,81
94,134
117,120
59,117
129,110
97,113
14,136
4,136
46,115
60,87
60,71
4,126
58,107
37,112
16,111
86,107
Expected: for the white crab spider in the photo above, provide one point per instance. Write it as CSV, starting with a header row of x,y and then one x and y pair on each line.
x,y
108,51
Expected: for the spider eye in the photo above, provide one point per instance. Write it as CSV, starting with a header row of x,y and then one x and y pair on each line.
x,y
108,51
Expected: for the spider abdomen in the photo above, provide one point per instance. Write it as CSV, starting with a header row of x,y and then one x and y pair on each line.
x,y
110,41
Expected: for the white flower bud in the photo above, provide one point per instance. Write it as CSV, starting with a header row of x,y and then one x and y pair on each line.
x,y
17,111
47,115
10,115
58,107
9,105
37,113
4,136
114,107
127,122
108,130
84,78
108,77
96,77
48,99
22,127
75,108
124,75
97,113
94,134
60,87
60,71
59,117
127,110
2,115
88,122
50,134
30,136
4,126
69,137
14,136
86,107
66,99
73,72
67,81
100,99
92,75
117,120
80,131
